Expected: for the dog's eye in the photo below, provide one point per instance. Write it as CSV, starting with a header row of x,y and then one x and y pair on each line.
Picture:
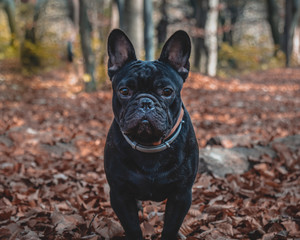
x,y
124,91
167,92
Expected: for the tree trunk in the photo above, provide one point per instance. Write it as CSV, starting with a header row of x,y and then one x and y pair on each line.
x,y
133,23
296,44
85,30
228,18
211,37
104,9
121,4
30,33
73,7
162,25
273,19
9,8
148,30
200,52
29,58
292,12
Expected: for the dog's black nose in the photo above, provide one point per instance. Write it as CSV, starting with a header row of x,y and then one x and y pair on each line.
x,y
146,104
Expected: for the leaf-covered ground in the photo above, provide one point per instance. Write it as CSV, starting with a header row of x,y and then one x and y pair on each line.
x,y
52,182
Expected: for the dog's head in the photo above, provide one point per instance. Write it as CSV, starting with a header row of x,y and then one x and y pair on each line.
x,y
146,94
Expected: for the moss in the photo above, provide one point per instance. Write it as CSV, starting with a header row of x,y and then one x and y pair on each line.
x,y
40,56
237,59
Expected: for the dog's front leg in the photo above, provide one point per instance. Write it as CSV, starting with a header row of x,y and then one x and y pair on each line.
x,y
176,209
126,209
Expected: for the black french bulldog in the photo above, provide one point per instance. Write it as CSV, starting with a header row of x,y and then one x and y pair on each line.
x,y
151,151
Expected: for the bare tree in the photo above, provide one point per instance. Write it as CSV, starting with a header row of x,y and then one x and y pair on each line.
x,y
121,4
73,6
273,19
228,16
284,40
163,24
9,8
148,30
85,29
292,13
89,17
211,39
296,44
200,49
133,23
30,60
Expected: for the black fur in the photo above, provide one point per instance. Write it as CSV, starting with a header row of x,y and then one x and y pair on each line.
x,y
146,114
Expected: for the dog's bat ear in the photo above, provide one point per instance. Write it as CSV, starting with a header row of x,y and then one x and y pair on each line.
x,y
120,51
176,52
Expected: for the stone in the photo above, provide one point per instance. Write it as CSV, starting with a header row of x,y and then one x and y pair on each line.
x,y
221,162
244,154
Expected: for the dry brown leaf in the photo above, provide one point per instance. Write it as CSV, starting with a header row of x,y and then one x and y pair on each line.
x,y
109,228
65,222
147,229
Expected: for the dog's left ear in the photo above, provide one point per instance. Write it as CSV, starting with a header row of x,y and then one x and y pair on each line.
x,y
120,51
176,52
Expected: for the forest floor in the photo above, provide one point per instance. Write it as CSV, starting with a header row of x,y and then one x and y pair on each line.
x,y
52,181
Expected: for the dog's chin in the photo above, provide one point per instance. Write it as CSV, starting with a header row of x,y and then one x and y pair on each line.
x,y
144,133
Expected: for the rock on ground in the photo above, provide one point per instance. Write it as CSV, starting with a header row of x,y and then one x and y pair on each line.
x,y
220,161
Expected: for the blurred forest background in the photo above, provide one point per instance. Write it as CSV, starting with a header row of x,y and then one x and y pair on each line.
x,y
230,37
243,96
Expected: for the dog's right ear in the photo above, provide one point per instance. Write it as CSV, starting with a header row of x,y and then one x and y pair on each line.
x,y
120,51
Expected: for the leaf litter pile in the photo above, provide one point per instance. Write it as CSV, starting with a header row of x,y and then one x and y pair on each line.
x,y
52,182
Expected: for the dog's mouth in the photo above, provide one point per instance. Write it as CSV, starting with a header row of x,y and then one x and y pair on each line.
x,y
146,129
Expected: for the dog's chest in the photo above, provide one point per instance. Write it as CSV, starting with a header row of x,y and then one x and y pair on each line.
x,y
147,183
150,186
